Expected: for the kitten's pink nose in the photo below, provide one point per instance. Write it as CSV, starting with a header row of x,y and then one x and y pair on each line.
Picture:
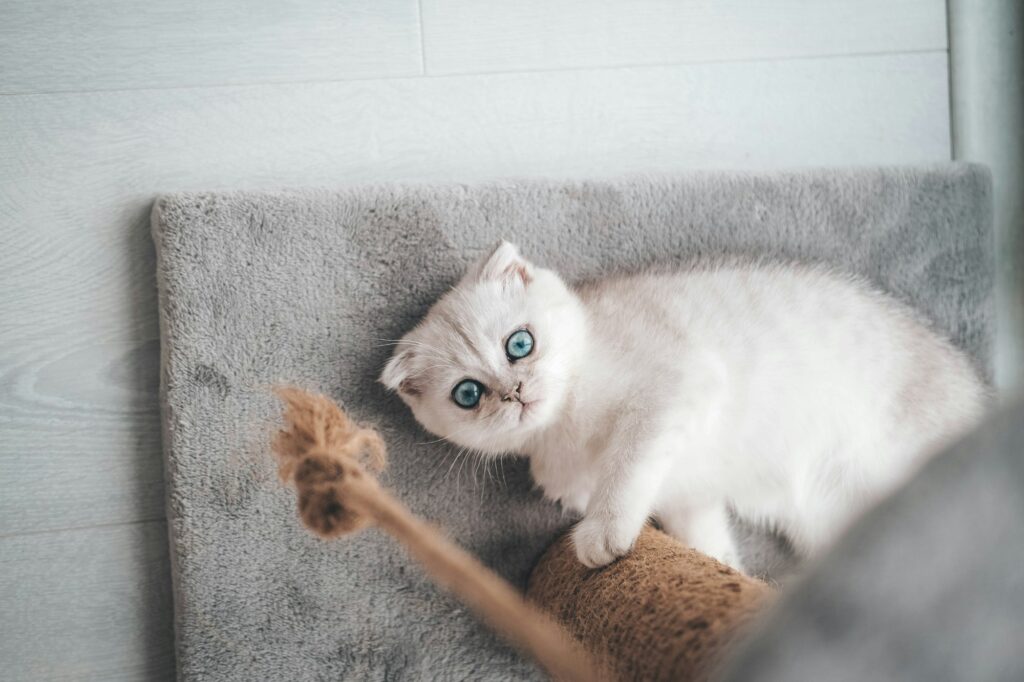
x,y
513,394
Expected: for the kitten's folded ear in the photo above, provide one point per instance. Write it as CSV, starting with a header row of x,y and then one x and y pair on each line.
x,y
398,372
504,264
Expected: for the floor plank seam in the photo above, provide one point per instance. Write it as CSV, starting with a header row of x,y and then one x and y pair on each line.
x,y
69,529
471,74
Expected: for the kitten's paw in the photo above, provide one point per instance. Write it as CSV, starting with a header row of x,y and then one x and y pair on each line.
x,y
708,530
599,542
729,557
721,549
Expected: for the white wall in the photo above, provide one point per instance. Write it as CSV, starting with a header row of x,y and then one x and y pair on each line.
x,y
105,103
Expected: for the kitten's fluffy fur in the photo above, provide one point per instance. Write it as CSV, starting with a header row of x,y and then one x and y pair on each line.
x,y
795,395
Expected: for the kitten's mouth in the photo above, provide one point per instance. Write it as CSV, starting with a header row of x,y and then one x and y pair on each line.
x,y
527,409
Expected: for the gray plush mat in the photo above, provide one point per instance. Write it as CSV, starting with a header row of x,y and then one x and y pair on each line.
x,y
306,286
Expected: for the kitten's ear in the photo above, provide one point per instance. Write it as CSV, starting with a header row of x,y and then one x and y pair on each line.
x,y
398,373
504,264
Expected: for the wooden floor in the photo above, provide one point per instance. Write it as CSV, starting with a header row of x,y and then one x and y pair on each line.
x,y
106,103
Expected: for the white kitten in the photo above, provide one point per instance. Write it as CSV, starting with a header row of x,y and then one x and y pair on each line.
x,y
793,394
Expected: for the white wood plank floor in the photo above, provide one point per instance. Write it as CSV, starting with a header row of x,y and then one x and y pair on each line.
x,y
91,604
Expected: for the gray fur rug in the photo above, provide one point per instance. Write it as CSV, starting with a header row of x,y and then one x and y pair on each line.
x,y
307,287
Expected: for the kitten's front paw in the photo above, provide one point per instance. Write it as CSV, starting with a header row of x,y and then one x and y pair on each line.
x,y
721,547
599,541
728,556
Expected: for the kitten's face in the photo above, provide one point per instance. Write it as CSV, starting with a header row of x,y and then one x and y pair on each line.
x,y
491,362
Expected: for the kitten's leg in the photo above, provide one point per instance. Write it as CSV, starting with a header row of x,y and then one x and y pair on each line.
x,y
706,529
814,529
619,508
638,458
832,499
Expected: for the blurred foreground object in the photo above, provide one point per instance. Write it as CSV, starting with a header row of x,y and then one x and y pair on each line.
x,y
929,586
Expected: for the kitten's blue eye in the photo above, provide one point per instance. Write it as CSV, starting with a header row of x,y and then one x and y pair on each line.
x,y
467,393
519,345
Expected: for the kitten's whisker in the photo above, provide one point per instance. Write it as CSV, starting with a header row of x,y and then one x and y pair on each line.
x,y
439,463
458,476
409,342
480,461
448,437
405,342
500,464
454,460
493,475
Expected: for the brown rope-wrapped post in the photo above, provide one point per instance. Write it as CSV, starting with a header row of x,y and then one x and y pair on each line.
x,y
662,612
323,453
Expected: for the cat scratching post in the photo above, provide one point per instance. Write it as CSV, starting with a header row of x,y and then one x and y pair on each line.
x,y
664,612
